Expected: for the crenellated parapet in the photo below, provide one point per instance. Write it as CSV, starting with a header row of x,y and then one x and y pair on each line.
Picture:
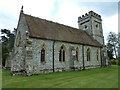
x,y
88,15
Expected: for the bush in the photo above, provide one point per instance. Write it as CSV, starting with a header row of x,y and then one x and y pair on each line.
x,y
113,62
119,62
109,62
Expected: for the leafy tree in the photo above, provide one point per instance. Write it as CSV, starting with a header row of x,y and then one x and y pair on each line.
x,y
7,43
113,42
119,45
110,50
119,48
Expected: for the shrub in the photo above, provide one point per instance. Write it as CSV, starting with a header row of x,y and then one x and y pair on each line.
x,y
113,62
118,62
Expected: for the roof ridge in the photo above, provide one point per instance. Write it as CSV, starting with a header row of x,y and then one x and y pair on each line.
x,y
54,22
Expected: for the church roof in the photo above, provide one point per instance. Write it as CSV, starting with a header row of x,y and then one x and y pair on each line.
x,y
44,29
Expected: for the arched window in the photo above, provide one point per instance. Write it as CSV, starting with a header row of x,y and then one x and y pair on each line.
x,y
77,54
88,54
43,55
97,55
62,54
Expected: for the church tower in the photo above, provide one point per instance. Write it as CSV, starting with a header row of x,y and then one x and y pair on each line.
x,y
91,22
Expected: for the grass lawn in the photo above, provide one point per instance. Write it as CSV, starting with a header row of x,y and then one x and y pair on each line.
x,y
0,78
92,78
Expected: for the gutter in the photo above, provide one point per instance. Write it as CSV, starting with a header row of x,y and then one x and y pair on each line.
x,y
101,57
83,57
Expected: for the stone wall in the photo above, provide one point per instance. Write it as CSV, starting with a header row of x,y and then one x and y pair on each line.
x,y
19,51
35,66
69,59
33,59
93,63
29,58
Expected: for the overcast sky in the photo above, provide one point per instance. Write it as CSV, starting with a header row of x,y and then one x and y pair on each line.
x,y
61,11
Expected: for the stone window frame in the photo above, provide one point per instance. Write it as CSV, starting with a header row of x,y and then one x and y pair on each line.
x,y
18,39
62,54
97,24
43,50
88,54
97,55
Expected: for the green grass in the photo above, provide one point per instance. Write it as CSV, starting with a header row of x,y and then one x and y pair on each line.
x,y
0,78
92,78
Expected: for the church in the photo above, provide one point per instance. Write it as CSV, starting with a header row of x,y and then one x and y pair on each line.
x,y
42,46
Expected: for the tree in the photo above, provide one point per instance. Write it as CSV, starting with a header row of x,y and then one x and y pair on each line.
x,y
110,50
119,45
7,43
113,41
119,48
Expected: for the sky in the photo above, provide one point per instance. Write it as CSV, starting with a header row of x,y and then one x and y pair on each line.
x,y
62,11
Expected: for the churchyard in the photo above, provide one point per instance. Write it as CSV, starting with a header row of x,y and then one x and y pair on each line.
x,y
93,78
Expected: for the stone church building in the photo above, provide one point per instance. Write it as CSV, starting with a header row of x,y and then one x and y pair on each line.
x,y
43,46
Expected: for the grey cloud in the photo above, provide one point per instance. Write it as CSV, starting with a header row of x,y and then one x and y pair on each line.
x,y
104,8
7,21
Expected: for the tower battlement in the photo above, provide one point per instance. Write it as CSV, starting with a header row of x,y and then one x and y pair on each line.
x,y
88,15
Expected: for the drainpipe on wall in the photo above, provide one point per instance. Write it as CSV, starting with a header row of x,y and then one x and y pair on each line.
x,y
83,57
101,56
53,55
